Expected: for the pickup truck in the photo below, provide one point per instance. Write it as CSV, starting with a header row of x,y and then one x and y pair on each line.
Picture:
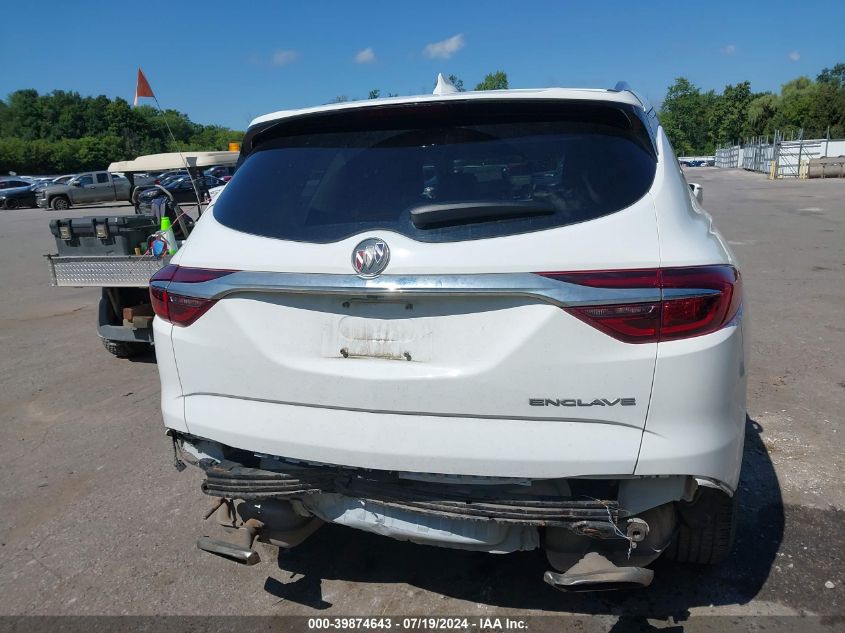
x,y
83,189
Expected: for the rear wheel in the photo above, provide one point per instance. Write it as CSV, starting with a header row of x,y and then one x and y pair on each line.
x,y
11,204
60,203
706,528
124,349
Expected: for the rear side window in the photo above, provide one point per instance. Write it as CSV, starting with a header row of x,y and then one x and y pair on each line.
x,y
513,167
9,184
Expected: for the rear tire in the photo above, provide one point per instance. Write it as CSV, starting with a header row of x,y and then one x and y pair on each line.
x,y
706,528
124,349
11,204
60,203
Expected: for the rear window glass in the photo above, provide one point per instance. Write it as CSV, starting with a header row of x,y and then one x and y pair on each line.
x,y
508,167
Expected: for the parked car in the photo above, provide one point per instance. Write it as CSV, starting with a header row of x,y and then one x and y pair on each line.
x,y
494,322
59,180
168,175
17,197
13,183
224,173
162,180
180,187
86,188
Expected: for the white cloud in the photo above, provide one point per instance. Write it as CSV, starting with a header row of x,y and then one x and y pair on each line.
x,y
730,49
283,57
795,56
366,56
445,48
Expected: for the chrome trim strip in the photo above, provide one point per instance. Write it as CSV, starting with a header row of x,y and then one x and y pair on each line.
x,y
400,287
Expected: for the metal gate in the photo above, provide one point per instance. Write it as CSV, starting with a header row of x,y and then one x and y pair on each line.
x,y
728,157
791,154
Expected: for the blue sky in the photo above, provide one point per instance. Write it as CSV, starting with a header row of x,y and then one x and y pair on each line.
x,y
226,62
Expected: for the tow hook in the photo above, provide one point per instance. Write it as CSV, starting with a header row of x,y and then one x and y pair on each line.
x,y
240,551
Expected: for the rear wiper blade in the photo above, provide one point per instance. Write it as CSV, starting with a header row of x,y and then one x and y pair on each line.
x,y
427,215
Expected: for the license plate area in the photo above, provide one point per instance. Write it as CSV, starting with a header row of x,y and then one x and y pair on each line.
x,y
378,329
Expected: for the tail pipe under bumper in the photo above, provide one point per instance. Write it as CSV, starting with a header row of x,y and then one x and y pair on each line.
x,y
595,573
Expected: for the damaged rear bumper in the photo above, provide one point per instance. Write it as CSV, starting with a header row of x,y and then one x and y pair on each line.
x,y
498,503
491,518
497,515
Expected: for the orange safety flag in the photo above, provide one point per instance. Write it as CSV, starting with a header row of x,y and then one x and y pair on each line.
x,y
142,89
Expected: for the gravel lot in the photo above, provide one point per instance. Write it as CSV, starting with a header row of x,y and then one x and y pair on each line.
x,y
98,521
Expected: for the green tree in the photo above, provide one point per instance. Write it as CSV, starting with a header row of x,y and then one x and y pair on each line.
x,y
758,117
493,81
374,94
729,114
63,131
826,112
834,75
797,98
25,115
686,117
458,82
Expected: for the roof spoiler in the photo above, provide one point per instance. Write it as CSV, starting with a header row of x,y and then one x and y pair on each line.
x,y
623,86
650,114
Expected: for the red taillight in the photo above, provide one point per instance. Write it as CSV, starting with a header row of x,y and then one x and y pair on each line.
x,y
670,318
181,309
694,316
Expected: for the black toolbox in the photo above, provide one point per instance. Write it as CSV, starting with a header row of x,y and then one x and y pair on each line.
x,y
103,234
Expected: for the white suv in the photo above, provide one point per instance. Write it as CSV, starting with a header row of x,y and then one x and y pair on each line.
x,y
495,321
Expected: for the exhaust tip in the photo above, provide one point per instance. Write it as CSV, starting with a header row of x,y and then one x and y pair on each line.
x,y
595,573
555,581
230,551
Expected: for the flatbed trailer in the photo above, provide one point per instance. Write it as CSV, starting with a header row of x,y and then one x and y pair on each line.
x,y
124,315
124,281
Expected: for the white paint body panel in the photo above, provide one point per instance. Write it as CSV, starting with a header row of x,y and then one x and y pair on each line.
x,y
436,444
696,421
572,94
273,362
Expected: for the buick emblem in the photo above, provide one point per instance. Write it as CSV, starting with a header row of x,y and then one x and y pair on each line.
x,y
370,257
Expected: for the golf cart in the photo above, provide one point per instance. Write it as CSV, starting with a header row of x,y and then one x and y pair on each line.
x,y
120,253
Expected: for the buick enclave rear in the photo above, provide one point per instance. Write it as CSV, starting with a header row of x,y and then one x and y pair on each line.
x,y
491,321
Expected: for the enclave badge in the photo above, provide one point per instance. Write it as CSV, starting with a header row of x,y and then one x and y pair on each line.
x,y
370,257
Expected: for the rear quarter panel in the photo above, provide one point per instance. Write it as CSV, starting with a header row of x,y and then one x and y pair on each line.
x,y
686,231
